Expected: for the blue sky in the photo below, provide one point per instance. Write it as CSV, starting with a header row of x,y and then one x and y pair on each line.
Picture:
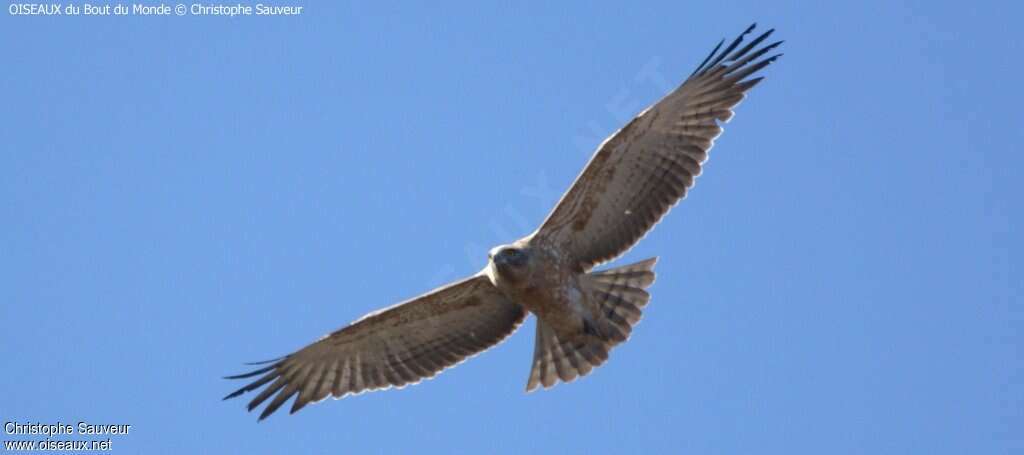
x,y
184,194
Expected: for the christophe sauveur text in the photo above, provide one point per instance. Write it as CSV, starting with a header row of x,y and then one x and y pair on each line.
x,y
59,428
53,431
161,9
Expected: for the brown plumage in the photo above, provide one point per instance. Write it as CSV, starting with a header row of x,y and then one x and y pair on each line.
x,y
632,181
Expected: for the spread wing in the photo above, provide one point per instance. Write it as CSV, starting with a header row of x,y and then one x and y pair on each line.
x,y
395,346
645,168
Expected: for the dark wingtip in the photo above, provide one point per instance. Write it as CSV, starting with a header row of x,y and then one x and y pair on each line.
x,y
251,373
727,53
266,413
298,404
708,58
264,362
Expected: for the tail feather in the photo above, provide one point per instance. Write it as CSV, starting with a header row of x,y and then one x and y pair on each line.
x,y
543,371
616,299
554,359
637,275
619,296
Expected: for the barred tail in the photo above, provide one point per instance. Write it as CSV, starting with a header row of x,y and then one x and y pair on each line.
x,y
616,299
620,297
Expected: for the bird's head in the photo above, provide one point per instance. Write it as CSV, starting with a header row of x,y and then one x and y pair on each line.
x,y
509,256
509,261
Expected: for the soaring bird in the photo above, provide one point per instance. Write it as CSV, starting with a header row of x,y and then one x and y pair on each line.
x,y
631,182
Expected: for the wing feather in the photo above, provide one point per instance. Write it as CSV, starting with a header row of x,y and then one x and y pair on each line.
x,y
645,168
400,345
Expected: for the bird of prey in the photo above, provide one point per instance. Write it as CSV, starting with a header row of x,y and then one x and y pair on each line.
x,y
630,183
